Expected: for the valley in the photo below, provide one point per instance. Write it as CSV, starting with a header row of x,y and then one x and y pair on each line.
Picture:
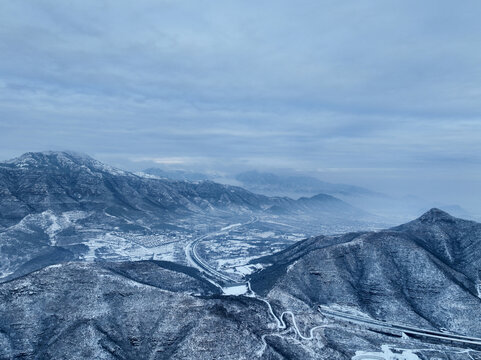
x,y
151,269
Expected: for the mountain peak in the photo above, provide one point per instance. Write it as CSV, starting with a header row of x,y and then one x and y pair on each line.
x,y
435,215
32,158
60,159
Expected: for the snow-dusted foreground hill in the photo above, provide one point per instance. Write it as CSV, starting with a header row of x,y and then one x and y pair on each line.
x,y
422,276
81,274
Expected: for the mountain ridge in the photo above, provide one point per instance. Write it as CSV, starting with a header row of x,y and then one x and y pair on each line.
x,y
81,169
59,206
424,272
265,182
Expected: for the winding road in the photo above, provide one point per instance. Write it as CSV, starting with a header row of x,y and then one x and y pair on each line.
x,y
222,280
281,325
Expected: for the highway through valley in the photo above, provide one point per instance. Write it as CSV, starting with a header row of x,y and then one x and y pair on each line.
x,y
400,329
214,276
224,281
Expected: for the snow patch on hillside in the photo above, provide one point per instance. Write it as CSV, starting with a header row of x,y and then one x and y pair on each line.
x,y
230,227
56,223
386,354
236,290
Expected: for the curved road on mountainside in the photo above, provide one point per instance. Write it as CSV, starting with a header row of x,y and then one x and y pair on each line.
x,y
216,277
281,325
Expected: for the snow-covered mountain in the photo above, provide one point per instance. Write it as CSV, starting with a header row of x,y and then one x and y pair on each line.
x,y
425,273
64,181
80,275
328,298
142,310
59,206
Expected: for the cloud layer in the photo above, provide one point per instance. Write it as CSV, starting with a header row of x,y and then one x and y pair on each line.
x,y
380,93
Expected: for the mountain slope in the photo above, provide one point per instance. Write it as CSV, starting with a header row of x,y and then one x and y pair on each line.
x,y
423,273
140,310
62,206
120,311
62,181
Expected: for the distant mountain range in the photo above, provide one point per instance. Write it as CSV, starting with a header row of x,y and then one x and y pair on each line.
x,y
178,174
275,184
58,206
394,209
271,184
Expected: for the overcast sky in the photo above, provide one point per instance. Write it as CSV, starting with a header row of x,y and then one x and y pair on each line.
x,y
385,94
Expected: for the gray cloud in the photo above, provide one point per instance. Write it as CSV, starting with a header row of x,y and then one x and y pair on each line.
x,y
367,92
